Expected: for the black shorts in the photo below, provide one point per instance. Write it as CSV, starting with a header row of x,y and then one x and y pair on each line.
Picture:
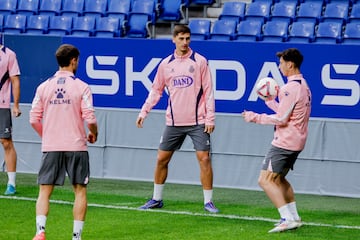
x,y
55,165
279,160
173,137
5,123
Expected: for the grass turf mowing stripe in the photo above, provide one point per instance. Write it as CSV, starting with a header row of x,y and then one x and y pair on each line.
x,y
248,218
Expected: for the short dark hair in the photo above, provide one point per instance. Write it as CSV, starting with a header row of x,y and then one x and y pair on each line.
x,y
181,29
292,55
65,53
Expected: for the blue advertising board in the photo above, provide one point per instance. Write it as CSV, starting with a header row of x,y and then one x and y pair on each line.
x,y
120,72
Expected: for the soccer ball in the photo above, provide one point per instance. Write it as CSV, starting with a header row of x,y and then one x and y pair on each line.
x,y
267,88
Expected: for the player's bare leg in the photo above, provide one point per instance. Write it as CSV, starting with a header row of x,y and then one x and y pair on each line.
x,y
271,183
161,169
206,172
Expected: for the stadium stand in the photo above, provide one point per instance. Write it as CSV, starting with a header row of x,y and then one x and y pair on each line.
x,y
15,24
233,11
37,24
328,32
119,9
50,7
310,11
138,26
352,33
95,8
336,12
223,30
259,10
73,8
8,7
249,30
355,13
27,7
83,26
302,31
60,25
200,29
275,31
171,10
1,22
284,10
107,27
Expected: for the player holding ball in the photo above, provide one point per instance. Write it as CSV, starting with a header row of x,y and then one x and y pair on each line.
x,y
292,112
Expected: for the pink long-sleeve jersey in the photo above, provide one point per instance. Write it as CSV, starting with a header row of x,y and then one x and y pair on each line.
x,y
188,82
62,103
292,114
8,67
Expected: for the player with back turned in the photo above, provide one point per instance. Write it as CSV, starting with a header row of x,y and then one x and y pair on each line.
x,y
291,119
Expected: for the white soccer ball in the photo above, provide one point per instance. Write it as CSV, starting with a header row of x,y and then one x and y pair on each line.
x,y
267,88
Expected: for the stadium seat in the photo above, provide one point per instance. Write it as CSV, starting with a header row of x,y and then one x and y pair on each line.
x,y
310,11
200,29
249,31
284,10
27,7
301,31
73,8
352,33
37,24
233,11
336,12
258,10
144,7
50,7
15,24
107,27
83,26
119,9
95,7
60,25
138,26
275,31
171,10
355,13
8,7
1,22
203,2
223,30
328,32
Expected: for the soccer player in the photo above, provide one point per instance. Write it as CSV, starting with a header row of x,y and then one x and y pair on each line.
x,y
291,118
190,112
10,82
60,108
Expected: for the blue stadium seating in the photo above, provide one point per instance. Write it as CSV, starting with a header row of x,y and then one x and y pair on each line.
x,y
37,24
233,11
223,30
309,11
144,7
328,32
15,24
119,9
50,7
336,12
200,29
284,10
171,10
352,33
1,22
249,30
258,10
27,7
60,25
95,7
275,31
107,27
73,8
83,26
302,31
138,26
203,2
8,7
355,13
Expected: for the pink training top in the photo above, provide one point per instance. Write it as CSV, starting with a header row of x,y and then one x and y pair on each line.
x,y
62,103
188,82
9,67
292,114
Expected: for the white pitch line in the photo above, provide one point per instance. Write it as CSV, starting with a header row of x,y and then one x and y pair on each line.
x,y
248,218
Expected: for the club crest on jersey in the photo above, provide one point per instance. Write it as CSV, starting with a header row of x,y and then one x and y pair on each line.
x,y
182,81
60,97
